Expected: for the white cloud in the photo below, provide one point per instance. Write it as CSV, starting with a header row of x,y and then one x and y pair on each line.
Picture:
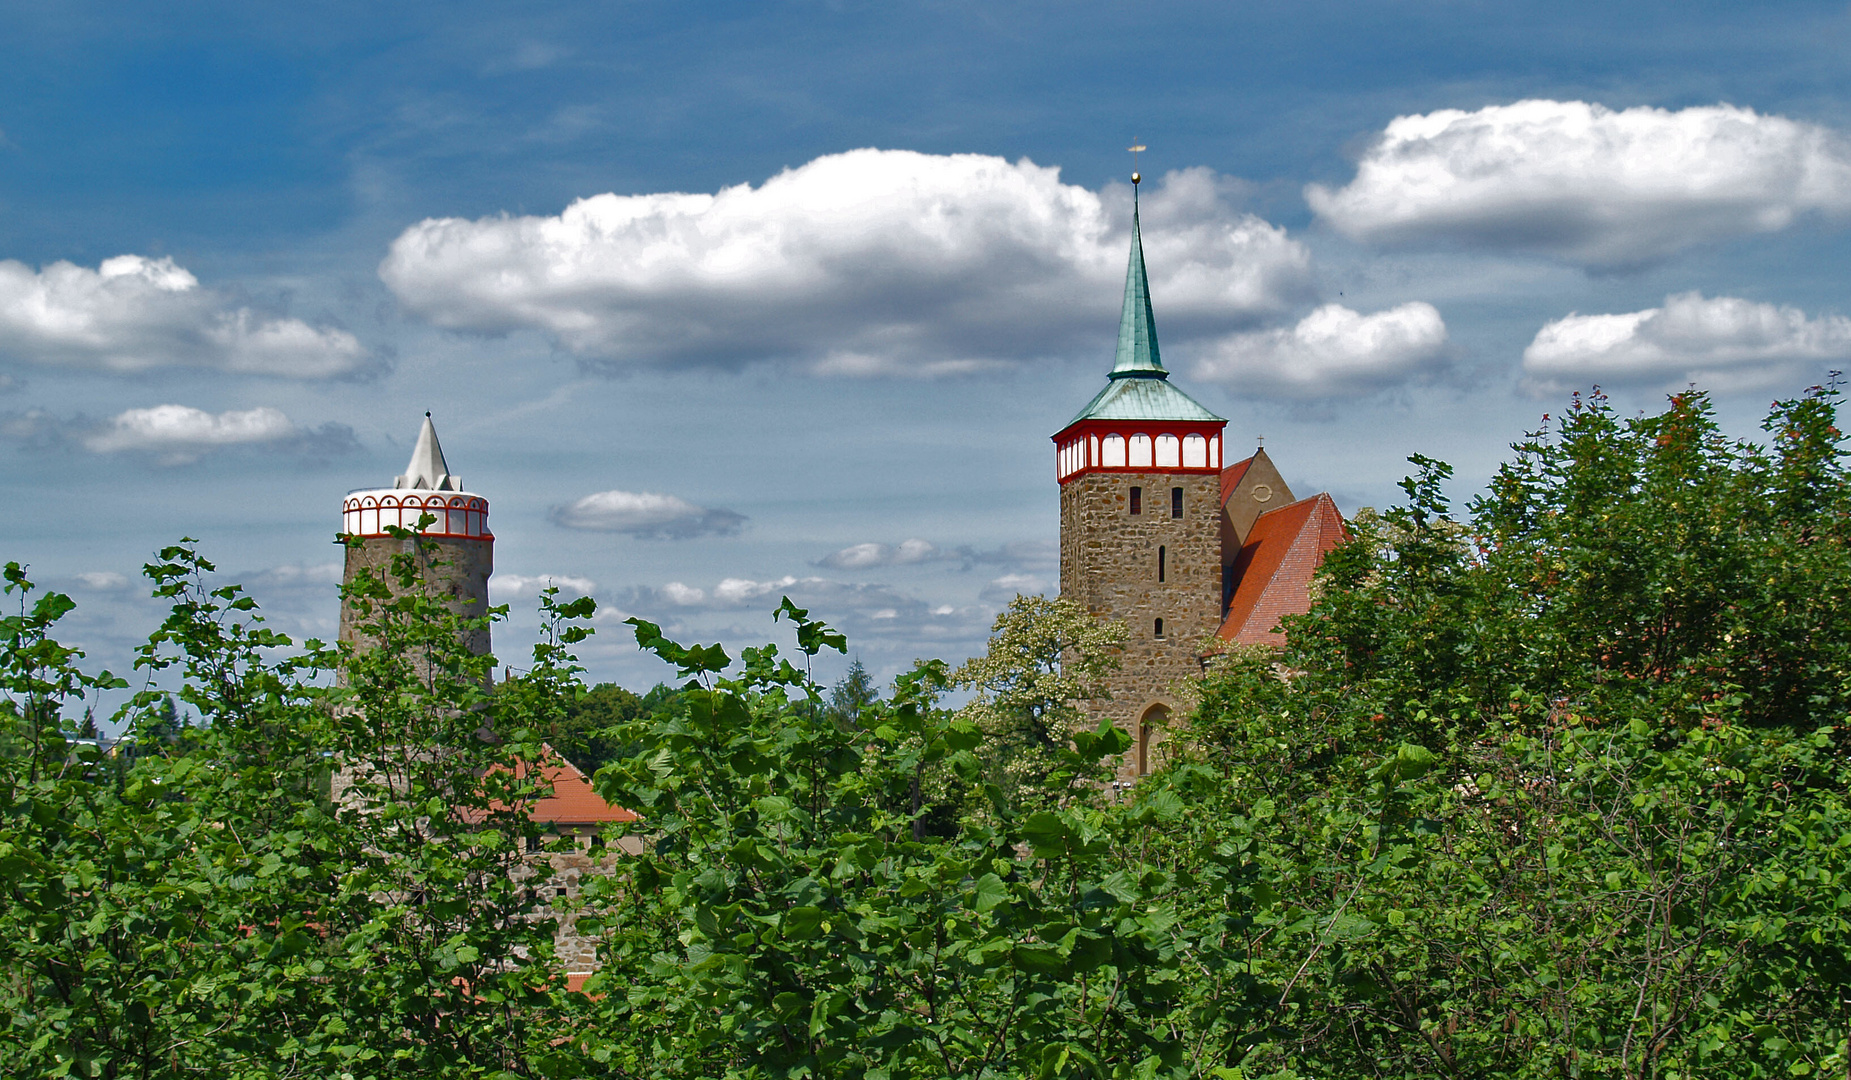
x,y
316,574
1023,555
505,587
1004,589
166,427
1332,352
646,514
529,56
866,263
1722,342
135,314
885,625
103,580
729,593
683,595
182,433
35,428
862,556
176,434
1588,184
735,593
739,592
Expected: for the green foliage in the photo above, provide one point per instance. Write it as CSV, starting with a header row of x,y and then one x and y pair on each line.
x,y
792,918
1046,657
851,694
1560,790
207,909
1613,560
581,729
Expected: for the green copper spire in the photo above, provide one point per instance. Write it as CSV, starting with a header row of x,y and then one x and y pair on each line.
x,y
1138,387
1137,327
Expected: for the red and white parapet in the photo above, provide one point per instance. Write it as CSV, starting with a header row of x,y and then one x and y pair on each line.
x,y
426,488
456,552
458,514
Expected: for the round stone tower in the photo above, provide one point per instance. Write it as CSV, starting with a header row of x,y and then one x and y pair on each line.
x,y
456,550
1140,518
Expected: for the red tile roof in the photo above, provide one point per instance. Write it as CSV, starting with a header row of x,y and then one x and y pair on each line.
x,y
1274,569
573,802
1230,478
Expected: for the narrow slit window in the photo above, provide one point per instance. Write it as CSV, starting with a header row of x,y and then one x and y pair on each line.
x,y
1137,500
1159,627
1176,502
1160,561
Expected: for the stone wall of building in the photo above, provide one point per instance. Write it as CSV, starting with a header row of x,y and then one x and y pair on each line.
x,y
457,568
559,895
1110,565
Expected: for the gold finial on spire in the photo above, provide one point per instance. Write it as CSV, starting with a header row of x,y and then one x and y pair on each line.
x,y
1135,148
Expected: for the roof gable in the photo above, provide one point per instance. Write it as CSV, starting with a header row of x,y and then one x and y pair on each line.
x,y
1248,490
1138,385
1137,327
573,801
1275,567
427,470
1230,478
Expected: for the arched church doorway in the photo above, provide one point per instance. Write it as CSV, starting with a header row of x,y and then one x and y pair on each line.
x,y
1148,725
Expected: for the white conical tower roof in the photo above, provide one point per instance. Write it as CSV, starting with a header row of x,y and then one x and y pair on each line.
x,y
426,491
427,470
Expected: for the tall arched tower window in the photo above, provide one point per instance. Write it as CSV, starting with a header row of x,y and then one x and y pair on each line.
x,y
1148,726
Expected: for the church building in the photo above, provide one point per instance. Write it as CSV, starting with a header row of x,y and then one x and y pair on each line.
x,y
1158,531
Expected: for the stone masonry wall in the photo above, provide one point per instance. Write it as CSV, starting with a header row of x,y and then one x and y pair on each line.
x,y
559,895
1108,563
458,567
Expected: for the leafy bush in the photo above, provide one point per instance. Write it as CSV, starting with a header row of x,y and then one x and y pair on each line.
x,y
1556,790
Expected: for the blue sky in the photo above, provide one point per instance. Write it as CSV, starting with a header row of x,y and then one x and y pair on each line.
x,y
717,302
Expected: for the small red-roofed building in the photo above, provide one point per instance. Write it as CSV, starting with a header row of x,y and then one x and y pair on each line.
x,y
574,810
599,834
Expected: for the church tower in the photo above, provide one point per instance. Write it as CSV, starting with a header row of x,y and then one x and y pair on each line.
x,y
457,550
1140,518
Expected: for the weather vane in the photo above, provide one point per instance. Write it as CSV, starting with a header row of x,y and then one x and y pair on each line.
x,y
1135,148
